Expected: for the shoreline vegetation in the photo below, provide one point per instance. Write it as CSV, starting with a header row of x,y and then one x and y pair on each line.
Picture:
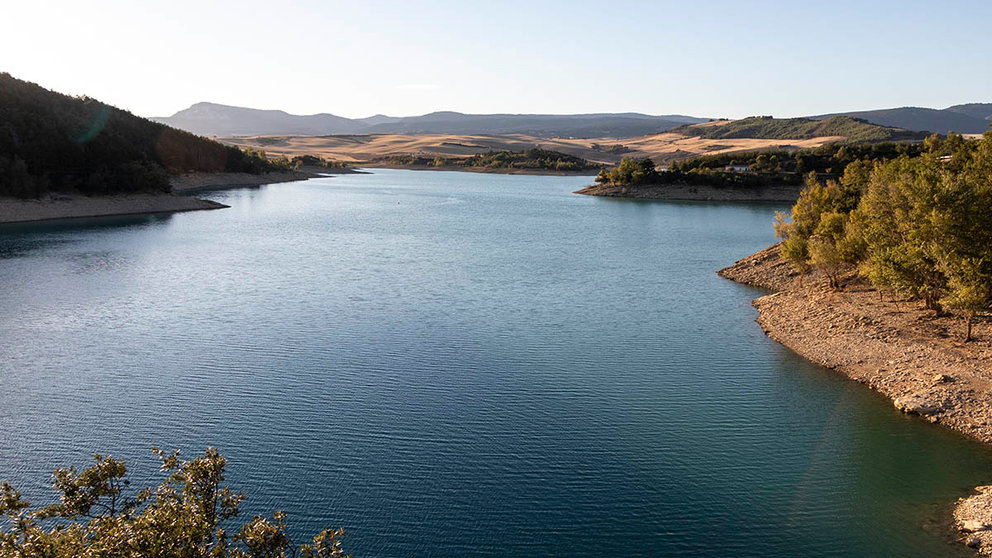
x,y
764,175
885,275
530,161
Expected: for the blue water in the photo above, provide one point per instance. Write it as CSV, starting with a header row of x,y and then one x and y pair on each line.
x,y
453,364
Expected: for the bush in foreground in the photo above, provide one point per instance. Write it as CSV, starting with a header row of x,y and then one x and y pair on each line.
x,y
184,516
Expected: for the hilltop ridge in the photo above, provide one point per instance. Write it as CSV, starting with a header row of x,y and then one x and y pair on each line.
x,y
214,119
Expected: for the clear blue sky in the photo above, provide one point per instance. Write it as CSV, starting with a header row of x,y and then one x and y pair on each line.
x,y
705,58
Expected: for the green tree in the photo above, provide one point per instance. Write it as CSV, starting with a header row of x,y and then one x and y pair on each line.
x,y
969,289
185,516
629,172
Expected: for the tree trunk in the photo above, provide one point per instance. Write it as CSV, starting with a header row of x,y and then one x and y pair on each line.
x,y
967,336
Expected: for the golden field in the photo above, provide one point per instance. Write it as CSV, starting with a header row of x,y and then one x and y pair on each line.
x,y
662,148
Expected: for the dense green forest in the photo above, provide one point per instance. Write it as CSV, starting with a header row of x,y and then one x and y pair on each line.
x,y
55,142
772,167
532,159
919,225
854,129
189,514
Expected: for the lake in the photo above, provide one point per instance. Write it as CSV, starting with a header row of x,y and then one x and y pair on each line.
x,y
454,364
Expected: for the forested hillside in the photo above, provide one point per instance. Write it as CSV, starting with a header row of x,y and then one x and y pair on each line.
x,y
55,142
766,127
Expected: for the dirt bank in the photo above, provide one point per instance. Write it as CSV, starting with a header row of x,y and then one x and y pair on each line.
x,y
72,206
782,193
60,206
220,180
896,347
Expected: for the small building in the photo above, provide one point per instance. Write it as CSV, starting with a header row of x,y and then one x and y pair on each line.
x,y
737,168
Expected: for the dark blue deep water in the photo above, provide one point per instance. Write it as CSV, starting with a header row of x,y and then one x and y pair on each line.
x,y
453,364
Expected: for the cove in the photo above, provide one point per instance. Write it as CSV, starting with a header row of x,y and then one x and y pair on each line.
x,y
458,364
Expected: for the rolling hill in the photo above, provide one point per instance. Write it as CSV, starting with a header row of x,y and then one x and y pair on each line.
x,y
373,149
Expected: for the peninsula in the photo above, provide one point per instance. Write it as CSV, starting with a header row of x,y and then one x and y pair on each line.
x,y
775,174
883,275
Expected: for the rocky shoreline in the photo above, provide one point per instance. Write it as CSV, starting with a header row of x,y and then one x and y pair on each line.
x,y
896,347
775,193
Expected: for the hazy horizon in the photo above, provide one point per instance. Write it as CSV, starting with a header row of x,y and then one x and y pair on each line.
x,y
360,117
722,59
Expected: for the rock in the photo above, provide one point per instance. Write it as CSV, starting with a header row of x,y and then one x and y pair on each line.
x,y
974,542
942,379
973,526
916,403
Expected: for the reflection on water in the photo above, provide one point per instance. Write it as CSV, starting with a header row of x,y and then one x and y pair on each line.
x,y
462,364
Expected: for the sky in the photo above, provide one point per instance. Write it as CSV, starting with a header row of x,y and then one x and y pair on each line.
x,y
703,58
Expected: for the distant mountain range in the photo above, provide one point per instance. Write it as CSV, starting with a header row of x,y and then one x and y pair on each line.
x,y
211,119
973,118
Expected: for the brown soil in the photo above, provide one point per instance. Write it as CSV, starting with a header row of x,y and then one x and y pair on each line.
x,y
220,180
60,206
894,346
74,206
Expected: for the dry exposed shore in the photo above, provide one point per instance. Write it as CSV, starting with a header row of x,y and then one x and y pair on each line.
x,y
65,206
895,347
778,193
219,180
71,207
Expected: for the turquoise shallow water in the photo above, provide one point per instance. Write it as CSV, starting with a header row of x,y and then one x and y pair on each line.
x,y
460,364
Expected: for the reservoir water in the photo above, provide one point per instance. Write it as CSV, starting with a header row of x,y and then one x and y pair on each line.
x,y
451,364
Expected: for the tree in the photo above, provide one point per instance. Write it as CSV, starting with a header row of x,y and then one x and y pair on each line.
x,y
824,248
629,172
898,210
184,516
968,289
795,247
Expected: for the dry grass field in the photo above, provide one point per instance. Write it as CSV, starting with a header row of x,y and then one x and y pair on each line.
x,y
662,148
